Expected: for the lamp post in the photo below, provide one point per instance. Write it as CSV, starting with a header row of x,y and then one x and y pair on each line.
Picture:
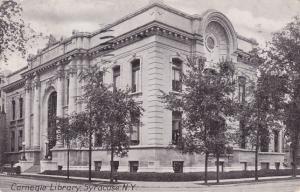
x,y
24,157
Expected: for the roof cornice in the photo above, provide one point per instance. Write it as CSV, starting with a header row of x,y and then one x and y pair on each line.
x,y
14,85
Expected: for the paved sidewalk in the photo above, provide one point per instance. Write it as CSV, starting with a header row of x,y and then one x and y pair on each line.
x,y
148,184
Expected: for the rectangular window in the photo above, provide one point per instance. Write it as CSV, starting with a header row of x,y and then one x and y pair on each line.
x,y
244,164
12,141
177,166
68,91
98,165
176,127
116,76
136,79
242,89
176,74
21,107
134,130
13,110
276,141
243,135
20,138
133,166
265,165
277,165
98,139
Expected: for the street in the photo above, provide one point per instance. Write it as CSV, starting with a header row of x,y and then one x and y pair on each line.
x,y
24,184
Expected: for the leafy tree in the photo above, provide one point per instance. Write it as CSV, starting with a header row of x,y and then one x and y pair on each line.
x,y
69,129
207,105
15,35
110,111
12,29
283,63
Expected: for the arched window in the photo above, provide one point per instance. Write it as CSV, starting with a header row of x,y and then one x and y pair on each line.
x,y
13,103
21,107
176,74
136,75
52,119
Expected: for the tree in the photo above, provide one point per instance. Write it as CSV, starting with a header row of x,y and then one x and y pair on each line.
x,y
283,62
207,105
12,29
110,111
71,129
260,115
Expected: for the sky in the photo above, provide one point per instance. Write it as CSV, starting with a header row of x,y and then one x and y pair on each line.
x,y
256,19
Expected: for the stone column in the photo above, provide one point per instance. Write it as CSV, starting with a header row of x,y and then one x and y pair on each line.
x,y
60,101
27,118
85,64
78,90
72,87
280,139
36,113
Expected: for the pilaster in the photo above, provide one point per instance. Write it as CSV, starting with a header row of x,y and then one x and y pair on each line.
x,y
60,100
27,123
72,87
36,111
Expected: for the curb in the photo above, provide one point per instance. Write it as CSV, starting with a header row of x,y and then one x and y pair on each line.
x,y
189,184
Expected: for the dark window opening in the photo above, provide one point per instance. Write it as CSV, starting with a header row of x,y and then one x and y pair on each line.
x,y
98,139
176,127
12,141
135,130
243,135
115,166
21,107
242,89
264,142
68,91
244,165
176,74
177,166
265,165
276,141
133,166
136,81
13,110
20,139
98,165
277,166
52,103
116,77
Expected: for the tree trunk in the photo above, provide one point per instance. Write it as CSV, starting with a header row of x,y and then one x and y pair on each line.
x,y
112,165
294,155
206,165
68,163
256,156
90,156
218,167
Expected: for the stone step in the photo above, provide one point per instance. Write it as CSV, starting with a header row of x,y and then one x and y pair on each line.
x,y
34,169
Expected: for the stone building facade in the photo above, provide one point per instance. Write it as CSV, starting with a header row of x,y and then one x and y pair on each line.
x,y
149,49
